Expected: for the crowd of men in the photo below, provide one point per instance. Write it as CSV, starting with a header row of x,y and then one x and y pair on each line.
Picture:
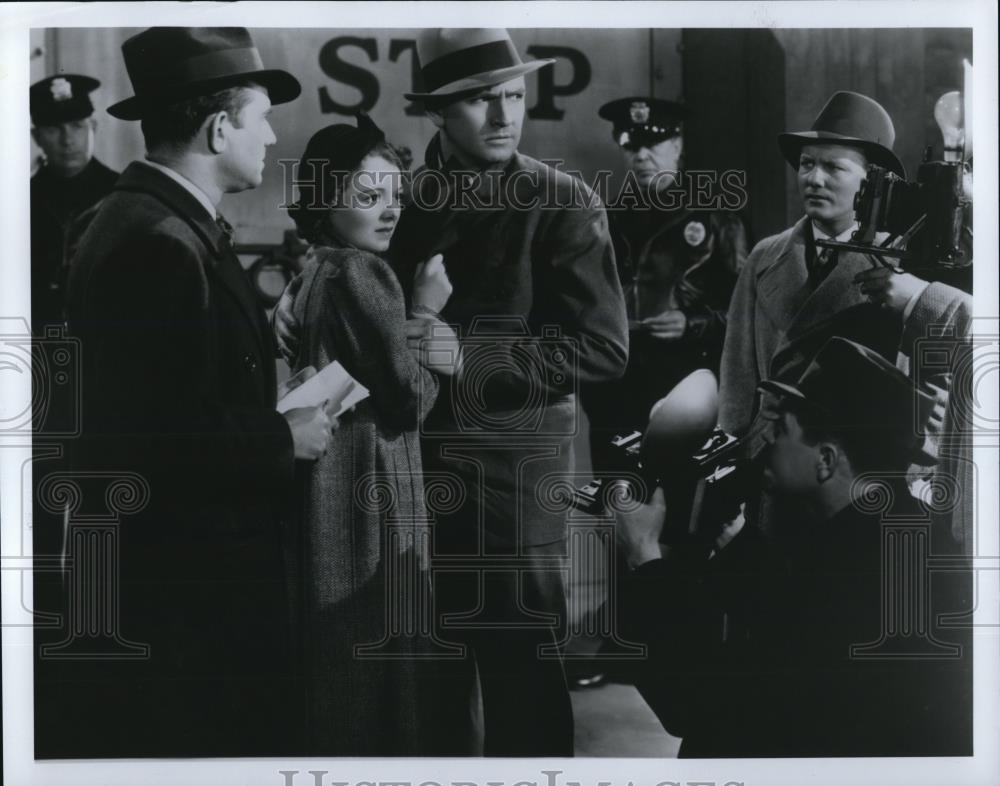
x,y
749,631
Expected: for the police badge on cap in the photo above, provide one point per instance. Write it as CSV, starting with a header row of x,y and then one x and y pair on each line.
x,y
61,99
640,121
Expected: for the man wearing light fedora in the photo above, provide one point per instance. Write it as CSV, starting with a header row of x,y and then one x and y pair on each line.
x,y
540,310
179,387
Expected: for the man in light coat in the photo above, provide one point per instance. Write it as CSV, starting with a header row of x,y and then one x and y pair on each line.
x,y
792,295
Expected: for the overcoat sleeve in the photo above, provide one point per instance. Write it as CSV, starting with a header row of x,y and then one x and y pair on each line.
x,y
367,322
738,377
159,383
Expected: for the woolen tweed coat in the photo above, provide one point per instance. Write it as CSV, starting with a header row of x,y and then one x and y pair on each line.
x,y
178,385
359,547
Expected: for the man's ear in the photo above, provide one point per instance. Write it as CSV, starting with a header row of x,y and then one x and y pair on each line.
x,y
34,136
93,124
215,132
829,457
437,118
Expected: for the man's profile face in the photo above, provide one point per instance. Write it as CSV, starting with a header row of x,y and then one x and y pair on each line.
x,y
247,138
486,127
656,165
790,463
68,147
829,176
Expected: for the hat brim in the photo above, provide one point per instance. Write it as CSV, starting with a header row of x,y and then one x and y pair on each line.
x,y
918,454
281,87
483,80
791,144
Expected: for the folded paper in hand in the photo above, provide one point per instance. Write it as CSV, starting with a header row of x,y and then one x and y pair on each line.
x,y
332,384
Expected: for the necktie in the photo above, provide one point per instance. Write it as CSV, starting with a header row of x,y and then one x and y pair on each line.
x,y
226,227
822,264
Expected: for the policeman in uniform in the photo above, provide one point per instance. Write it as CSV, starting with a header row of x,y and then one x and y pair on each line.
x,y
678,265
69,182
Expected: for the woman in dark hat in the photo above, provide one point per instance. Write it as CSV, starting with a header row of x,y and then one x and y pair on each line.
x,y
360,547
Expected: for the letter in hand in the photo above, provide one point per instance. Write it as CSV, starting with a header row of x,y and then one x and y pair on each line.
x,y
638,531
434,344
668,326
431,286
311,428
295,380
284,324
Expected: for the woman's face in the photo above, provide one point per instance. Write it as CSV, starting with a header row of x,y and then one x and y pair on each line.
x,y
368,209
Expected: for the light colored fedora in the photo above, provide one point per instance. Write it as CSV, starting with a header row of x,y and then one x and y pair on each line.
x,y
453,60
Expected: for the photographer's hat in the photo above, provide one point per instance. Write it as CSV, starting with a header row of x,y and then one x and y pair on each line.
x,y
641,121
169,64
851,386
848,119
61,99
454,60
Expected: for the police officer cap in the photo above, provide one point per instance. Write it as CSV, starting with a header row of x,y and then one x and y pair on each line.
x,y
642,121
61,99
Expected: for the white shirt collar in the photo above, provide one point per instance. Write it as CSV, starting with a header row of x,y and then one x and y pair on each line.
x,y
190,187
843,237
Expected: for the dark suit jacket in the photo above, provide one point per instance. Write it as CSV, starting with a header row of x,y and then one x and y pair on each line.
x,y
750,652
178,385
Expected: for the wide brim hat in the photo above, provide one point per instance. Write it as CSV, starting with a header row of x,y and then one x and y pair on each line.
x,y
851,386
457,60
848,119
170,64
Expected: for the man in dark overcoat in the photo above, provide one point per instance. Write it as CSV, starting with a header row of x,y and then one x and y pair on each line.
x,y
798,645
540,310
179,388
70,181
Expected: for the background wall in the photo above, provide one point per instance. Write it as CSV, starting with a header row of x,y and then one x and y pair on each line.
x,y
742,88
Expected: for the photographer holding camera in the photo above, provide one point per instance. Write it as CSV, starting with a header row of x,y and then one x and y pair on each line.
x,y
794,293
750,639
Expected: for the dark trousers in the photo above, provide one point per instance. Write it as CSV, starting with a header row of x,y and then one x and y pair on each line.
x,y
509,613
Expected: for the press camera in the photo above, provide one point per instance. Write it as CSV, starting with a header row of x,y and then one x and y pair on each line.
x,y
927,223
718,472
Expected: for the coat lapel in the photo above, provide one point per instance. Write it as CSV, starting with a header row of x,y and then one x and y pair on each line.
x,y
223,263
786,296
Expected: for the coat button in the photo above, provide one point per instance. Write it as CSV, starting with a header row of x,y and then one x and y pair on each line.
x,y
251,364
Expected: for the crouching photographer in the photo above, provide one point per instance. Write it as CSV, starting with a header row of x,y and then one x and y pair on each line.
x,y
757,646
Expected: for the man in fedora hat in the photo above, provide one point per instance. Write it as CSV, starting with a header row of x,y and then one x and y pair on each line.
x,y
69,181
540,311
788,284
179,386
765,647
791,295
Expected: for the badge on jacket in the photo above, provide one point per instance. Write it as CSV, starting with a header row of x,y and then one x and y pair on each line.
x,y
694,233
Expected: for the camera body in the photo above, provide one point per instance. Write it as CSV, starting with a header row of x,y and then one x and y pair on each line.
x,y
719,473
929,214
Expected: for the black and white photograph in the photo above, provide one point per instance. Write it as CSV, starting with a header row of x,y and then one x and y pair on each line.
x,y
488,394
